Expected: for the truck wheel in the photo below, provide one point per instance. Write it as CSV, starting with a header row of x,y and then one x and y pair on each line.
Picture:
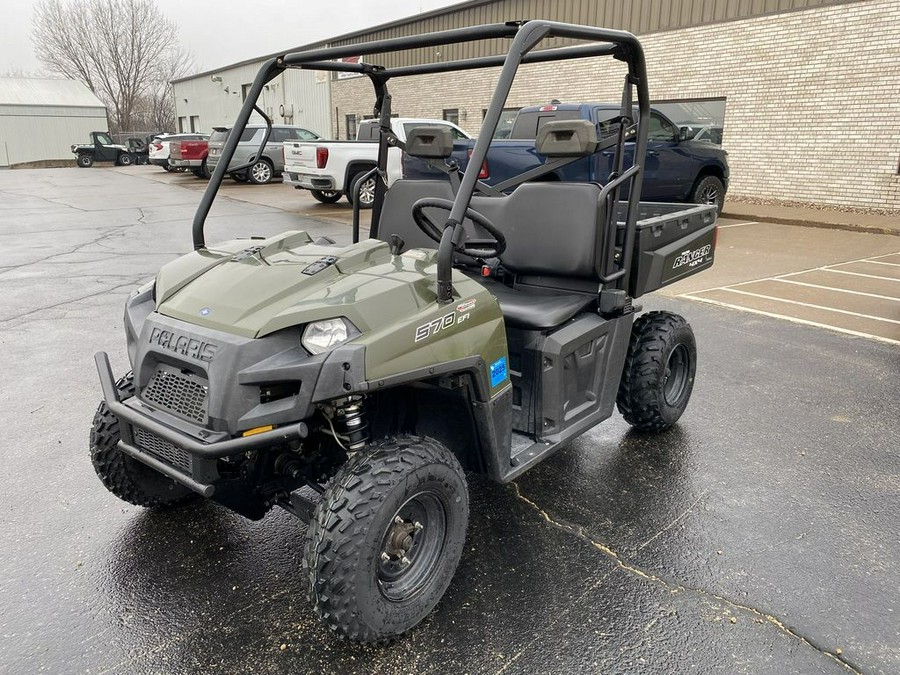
x,y
238,177
261,172
125,159
366,192
326,196
386,538
85,161
709,190
202,172
124,476
659,371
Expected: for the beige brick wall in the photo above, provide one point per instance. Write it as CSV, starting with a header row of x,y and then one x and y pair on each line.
x,y
813,97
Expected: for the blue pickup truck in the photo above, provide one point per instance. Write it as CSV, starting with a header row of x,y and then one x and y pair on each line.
x,y
677,169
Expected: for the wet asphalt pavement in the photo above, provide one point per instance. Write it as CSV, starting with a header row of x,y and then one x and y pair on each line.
x,y
760,535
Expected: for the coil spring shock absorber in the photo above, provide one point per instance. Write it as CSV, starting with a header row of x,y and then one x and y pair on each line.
x,y
350,422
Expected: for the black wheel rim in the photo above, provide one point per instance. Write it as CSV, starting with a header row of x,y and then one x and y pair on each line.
x,y
709,195
411,547
677,375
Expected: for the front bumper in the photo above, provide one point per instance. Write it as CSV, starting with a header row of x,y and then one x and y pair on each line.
x,y
187,163
133,414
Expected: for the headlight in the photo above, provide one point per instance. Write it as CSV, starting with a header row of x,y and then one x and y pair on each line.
x,y
320,336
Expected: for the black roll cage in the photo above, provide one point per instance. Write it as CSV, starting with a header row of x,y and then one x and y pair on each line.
x,y
525,36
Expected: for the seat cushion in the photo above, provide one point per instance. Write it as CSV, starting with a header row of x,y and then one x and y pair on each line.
x,y
536,308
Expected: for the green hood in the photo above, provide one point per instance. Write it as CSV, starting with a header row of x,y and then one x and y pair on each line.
x,y
255,287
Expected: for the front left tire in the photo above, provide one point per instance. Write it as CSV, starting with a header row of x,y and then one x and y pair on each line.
x,y
127,478
85,161
386,538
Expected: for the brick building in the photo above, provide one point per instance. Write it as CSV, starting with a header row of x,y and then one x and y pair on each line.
x,y
807,92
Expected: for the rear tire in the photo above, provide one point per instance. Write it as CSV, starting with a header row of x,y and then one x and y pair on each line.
x,y
326,196
85,161
127,478
202,172
366,193
386,538
709,190
261,172
125,159
659,371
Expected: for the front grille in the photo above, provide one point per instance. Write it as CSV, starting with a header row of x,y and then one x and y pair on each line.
x,y
179,392
162,449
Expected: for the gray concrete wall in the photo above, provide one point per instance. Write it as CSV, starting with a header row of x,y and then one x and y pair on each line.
x,y
38,133
294,97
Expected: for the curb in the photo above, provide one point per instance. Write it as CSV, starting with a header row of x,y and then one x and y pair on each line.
x,y
801,222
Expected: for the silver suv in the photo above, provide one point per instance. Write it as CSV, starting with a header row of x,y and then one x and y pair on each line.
x,y
269,163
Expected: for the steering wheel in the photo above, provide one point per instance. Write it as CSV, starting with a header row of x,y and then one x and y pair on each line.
x,y
482,248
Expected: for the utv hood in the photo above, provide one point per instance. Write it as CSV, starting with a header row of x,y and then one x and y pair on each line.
x,y
256,287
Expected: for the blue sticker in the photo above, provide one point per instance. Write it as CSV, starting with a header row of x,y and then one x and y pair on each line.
x,y
498,371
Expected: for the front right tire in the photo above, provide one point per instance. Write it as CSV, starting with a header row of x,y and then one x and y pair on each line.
x,y
386,538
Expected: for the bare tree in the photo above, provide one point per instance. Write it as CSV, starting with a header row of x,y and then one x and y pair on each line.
x,y
125,51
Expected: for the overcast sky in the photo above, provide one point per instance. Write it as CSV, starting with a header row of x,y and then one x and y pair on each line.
x,y
225,31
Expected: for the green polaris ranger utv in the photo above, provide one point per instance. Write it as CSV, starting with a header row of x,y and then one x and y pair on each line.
x,y
477,328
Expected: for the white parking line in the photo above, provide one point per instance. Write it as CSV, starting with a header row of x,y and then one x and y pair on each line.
x,y
752,222
830,288
793,319
855,274
879,262
808,304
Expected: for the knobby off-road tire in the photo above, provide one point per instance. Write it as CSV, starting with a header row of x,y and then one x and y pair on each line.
x,y
125,160
659,371
403,498
85,161
124,476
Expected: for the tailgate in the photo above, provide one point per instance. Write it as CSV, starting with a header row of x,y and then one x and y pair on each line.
x,y
175,150
299,155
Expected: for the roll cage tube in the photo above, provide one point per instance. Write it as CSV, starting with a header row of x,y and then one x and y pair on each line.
x,y
525,37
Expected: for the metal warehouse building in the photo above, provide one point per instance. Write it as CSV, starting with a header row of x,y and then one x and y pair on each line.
x,y
804,93
40,118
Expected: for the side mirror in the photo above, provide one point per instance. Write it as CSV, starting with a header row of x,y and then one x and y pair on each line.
x,y
683,134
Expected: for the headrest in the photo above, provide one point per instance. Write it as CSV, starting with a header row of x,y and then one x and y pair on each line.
x,y
430,142
567,138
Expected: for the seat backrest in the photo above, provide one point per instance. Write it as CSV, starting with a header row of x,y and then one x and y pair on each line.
x,y
551,228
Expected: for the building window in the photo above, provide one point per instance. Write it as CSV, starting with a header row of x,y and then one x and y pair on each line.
x,y
195,123
701,120
182,125
245,89
351,127
451,115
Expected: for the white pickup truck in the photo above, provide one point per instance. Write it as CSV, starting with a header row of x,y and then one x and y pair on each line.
x,y
328,168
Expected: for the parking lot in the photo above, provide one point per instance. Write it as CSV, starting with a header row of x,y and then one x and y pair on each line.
x,y
759,535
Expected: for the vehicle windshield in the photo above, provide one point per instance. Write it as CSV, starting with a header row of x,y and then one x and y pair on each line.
x,y
103,139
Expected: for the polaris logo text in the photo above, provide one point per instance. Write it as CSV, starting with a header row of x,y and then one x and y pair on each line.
x,y
181,344
692,258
